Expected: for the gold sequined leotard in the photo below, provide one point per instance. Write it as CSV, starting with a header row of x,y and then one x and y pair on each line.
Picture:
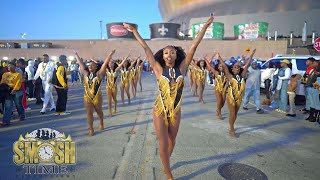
x,y
201,75
170,94
92,92
133,74
190,69
125,78
221,83
111,81
235,90
193,72
139,71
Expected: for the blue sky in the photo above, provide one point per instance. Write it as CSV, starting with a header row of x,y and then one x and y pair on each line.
x,y
73,19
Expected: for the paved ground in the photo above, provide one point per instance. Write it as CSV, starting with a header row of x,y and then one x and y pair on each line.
x,y
272,144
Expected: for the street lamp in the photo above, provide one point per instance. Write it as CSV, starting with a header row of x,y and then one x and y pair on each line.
x,y
23,35
100,29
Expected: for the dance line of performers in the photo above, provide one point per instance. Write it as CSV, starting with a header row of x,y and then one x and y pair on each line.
x,y
170,65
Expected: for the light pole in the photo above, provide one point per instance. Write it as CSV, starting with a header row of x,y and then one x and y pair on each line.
x,y
100,29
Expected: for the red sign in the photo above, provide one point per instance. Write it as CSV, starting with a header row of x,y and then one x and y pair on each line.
x,y
118,30
316,44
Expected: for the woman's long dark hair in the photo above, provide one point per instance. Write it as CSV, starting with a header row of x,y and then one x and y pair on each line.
x,y
134,64
181,55
128,64
99,65
205,64
114,66
216,67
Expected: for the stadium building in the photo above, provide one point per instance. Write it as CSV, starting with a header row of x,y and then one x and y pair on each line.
x,y
282,16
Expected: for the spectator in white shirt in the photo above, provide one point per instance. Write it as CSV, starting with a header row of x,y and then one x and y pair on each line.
x,y
30,70
266,77
44,71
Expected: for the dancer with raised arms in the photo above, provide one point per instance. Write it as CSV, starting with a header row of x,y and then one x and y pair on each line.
x,y
169,65
111,86
201,74
236,89
92,93
139,71
125,79
221,84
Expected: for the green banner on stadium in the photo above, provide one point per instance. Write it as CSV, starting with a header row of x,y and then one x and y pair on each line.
x,y
252,30
214,31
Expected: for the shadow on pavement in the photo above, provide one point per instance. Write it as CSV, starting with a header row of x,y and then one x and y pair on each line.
x,y
289,138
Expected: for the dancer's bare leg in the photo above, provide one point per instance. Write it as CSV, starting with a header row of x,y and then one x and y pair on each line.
x,y
173,131
114,97
122,93
98,108
219,104
109,95
232,118
163,137
90,108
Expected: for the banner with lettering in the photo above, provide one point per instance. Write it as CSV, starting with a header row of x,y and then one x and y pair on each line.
x,y
252,30
214,31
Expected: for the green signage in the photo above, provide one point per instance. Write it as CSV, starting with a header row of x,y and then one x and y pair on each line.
x,y
214,31
251,30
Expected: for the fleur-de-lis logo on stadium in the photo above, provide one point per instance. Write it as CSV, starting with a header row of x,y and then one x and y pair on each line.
x,y
163,30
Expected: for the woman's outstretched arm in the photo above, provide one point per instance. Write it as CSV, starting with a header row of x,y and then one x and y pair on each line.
x,y
195,43
247,65
132,64
138,61
153,63
122,62
210,68
144,61
103,68
225,68
81,64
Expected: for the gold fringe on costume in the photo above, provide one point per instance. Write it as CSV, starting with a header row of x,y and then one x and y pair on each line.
x,y
111,82
193,72
139,71
190,68
235,91
201,75
91,94
165,101
221,84
133,74
125,78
